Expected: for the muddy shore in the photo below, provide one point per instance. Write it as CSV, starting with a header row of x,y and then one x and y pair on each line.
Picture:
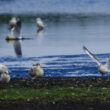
x,y
48,82
66,104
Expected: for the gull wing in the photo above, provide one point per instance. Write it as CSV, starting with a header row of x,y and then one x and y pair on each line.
x,y
91,55
15,31
41,23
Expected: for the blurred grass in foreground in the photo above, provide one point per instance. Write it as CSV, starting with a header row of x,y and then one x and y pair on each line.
x,y
57,94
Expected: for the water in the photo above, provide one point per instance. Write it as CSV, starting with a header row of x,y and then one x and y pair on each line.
x,y
54,6
69,24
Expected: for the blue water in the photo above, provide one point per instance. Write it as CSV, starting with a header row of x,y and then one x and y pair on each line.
x,y
55,66
69,24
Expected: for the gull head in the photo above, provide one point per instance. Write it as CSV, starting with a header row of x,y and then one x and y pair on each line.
x,y
38,19
37,65
12,22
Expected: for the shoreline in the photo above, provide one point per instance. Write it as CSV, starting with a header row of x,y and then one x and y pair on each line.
x,y
49,82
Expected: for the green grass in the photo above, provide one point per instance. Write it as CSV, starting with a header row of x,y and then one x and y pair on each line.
x,y
56,94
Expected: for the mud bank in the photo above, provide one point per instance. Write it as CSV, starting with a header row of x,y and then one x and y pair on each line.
x,y
55,94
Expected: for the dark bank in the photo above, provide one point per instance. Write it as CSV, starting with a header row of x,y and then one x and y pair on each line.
x,y
56,93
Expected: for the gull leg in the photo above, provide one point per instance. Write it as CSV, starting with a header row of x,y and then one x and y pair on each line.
x,y
107,77
102,77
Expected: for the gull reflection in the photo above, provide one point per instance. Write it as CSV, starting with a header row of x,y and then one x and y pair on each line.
x,y
40,32
17,47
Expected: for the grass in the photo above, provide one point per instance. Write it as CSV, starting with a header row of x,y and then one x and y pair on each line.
x,y
43,95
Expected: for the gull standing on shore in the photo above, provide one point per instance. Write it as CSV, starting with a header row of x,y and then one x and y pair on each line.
x,y
4,74
103,69
40,23
36,71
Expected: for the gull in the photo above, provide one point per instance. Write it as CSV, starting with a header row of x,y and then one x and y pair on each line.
x,y
3,69
5,77
103,69
36,71
40,23
15,31
12,22
4,73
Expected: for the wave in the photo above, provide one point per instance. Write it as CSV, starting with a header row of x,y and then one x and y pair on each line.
x,y
55,66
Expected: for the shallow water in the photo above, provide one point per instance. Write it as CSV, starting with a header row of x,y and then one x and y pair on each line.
x,y
59,46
